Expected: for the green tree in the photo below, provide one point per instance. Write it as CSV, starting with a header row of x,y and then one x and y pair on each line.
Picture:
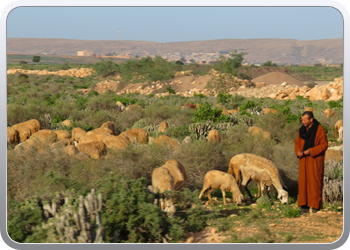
x,y
231,63
36,59
106,68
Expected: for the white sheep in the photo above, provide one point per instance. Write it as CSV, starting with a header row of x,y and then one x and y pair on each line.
x,y
215,179
253,167
163,181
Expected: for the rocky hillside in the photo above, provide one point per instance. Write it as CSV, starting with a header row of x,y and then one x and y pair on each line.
x,y
275,85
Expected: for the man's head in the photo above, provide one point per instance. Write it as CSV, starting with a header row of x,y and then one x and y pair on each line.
x,y
307,118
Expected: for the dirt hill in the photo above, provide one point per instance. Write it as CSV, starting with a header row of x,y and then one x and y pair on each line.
x,y
278,78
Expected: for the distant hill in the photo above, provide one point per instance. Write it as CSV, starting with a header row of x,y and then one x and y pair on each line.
x,y
280,51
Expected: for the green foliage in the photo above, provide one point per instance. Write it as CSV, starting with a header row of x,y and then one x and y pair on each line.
x,y
336,104
179,132
231,63
125,99
206,112
23,219
81,102
106,68
224,98
249,104
58,119
170,90
36,59
292,213
51,99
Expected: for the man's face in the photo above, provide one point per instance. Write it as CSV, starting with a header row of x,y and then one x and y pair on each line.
x,y
306,120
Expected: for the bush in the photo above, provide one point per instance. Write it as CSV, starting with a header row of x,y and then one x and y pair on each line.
x,y
206,112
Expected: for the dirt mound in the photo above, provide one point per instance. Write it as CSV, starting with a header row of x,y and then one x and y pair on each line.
x,y
278,78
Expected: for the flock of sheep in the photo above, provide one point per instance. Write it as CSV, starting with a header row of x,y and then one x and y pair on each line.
x,y
243,168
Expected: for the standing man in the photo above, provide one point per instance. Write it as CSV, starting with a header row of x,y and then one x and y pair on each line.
x,y
310,147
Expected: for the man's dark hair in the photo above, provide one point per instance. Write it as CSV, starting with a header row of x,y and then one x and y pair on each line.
x,y
308,113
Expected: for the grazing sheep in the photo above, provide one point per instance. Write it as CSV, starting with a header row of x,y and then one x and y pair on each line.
x,y
163,126
116,142
267,111
45,135
67,123
309,109
95,149
337,126
256,168
103,130
62,134
12,135
136,135
253,130
23,132
178,172
109,125
120,106
340,134
163,140
71,150
32,124
77,134
329,112
93,137
214,136
162,181
61,144
215,179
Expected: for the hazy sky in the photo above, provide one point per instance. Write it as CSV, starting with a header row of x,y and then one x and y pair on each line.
x,y
173,24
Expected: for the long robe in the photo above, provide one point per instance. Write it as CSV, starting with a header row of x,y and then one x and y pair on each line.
x,y
311,170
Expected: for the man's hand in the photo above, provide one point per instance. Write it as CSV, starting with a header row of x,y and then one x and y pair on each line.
x,y
306,152
300,153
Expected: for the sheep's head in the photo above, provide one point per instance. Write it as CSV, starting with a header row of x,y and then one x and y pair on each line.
x,y
283,196
238,198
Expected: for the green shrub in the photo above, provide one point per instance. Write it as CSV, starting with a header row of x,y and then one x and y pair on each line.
x,y
292,213
23,219
206,112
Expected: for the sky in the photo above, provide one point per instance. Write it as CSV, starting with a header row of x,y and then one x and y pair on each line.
x,y
175,24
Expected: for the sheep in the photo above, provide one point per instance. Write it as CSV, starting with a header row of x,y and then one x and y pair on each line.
x,y
163,181
253,130
77,134
328,112
337,126
62,134
267,111
214,136
71,150
45,135
215,179
309,109
12,135
256,168
32,124
104,130
67,123
136,135
116,142
167,141
93,137
163,126
178,172
61,143
95,149
109,125
340,134
23,132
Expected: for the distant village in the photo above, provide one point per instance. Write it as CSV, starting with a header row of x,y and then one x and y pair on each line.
x,y
186,58
200,58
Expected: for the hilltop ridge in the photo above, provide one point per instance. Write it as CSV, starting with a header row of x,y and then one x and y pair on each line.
x,y
280,51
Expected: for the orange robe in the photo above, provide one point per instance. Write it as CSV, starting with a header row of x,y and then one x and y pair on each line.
x,y
311,170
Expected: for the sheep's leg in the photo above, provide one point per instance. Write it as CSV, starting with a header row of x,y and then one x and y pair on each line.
x,y
236,173
224,196
245,183
203,190
259,191
209,196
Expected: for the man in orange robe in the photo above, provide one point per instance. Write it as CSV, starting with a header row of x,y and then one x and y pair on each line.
x,y
310,147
